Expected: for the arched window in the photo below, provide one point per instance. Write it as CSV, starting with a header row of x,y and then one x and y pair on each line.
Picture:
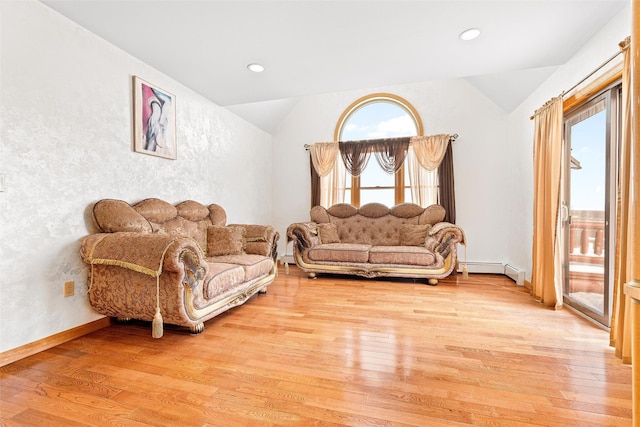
x,y
375,116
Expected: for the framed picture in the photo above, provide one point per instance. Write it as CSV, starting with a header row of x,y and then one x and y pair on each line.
x,y
154,120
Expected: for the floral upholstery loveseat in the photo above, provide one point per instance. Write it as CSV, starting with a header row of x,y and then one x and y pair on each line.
x,y
180,263
374,240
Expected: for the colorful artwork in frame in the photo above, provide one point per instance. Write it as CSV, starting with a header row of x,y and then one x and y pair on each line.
x,y
154,120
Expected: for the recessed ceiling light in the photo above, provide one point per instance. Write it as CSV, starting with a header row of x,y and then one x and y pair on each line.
x,y
256,68
469,34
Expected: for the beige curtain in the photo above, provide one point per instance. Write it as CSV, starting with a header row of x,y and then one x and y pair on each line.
x,y
620,333
547,167
430,150
323,156
423,158
332,185
423,182
329,167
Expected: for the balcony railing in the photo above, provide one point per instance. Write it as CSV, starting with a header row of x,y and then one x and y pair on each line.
x,y
586,238
586,258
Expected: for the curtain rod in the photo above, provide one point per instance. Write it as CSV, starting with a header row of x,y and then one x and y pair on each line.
x,y
593,72
598,68
451,138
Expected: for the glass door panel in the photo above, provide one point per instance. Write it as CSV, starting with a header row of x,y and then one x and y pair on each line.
x,y
586,210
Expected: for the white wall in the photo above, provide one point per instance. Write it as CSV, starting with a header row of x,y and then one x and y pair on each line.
x,y
520,186
447,106
66,108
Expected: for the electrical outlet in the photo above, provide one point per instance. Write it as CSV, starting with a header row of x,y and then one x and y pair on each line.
x,y
69,289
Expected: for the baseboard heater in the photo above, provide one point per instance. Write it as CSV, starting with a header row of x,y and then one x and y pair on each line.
x,y
515,274
508,270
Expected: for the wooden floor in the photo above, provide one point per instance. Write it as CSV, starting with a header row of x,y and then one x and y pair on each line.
x,y
337,351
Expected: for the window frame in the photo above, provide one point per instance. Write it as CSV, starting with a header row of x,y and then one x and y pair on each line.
x,y
399,181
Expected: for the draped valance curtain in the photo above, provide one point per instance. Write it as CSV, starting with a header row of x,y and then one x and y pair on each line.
x,y
389,152
430,150
429,160
323,156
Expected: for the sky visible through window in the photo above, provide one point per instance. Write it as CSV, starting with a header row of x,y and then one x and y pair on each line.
x,y
374,120
378,120
588,146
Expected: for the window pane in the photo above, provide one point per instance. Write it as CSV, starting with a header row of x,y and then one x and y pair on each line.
x,y
407,195
374,176
588,146
384,196
378,120
408,198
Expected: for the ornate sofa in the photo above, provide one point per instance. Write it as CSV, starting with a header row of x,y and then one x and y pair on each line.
x,y
374,240
174,264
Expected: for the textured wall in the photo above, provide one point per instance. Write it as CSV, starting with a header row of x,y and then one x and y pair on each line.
x,y
66,142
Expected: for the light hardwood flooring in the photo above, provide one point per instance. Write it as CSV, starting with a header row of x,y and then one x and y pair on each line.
x,y
336,351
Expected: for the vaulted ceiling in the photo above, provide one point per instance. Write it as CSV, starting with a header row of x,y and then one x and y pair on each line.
x,y
311,47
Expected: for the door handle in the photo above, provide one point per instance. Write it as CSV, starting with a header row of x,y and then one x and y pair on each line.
x,y
566,217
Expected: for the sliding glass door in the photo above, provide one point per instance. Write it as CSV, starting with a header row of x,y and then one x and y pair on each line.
x,y
588,205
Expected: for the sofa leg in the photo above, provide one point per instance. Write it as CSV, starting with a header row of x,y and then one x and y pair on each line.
x,y
123,319
312,275
263,291
196,329
432,282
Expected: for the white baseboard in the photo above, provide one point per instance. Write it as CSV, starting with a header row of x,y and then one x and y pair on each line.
x,y
514,273
483,267
508,270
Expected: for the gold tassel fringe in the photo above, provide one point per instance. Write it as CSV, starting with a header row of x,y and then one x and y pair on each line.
x,y
90,280
156,326
127,265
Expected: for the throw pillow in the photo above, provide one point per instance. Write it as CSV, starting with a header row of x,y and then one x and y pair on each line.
x,y
413,234
432,215
328,233
223,240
